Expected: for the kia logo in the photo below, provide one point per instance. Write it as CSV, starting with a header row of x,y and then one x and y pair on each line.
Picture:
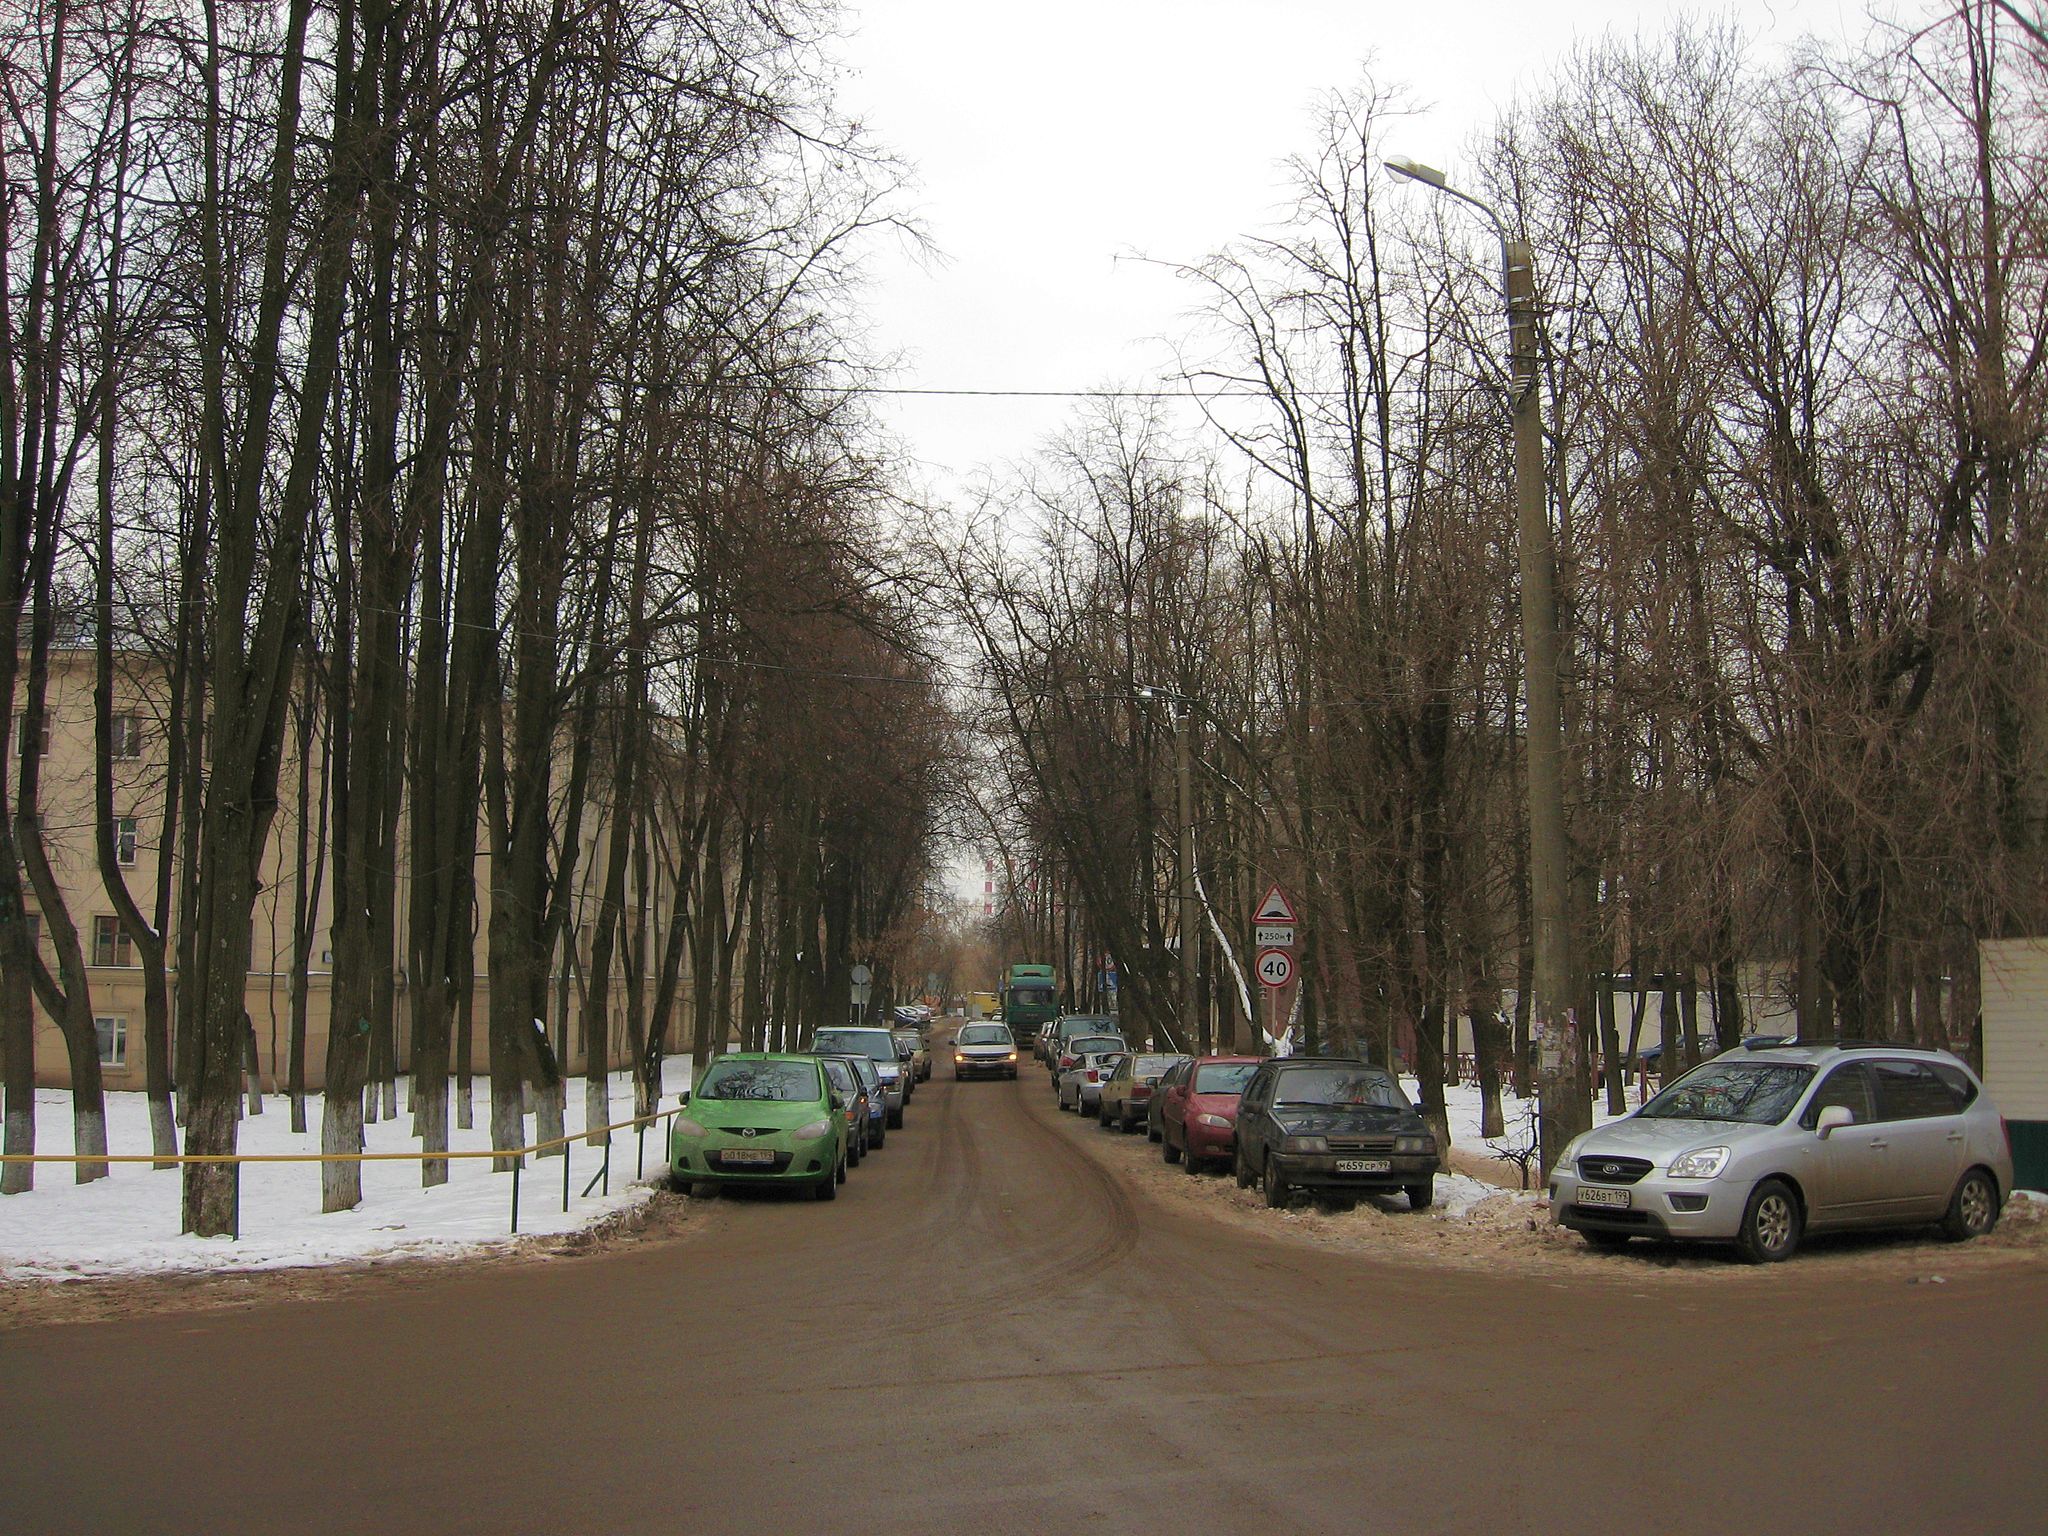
x,y
1607,1168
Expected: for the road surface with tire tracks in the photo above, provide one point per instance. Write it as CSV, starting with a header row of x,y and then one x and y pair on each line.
x,y
990,1332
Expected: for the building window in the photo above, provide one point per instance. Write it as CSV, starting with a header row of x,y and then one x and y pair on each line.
x,y
42,734
112,1029
124,841
110,942
125,736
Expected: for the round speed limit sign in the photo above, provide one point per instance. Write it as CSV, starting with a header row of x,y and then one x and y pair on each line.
x,y
1275,967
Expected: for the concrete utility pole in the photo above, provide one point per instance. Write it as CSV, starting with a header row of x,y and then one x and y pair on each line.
x,y
1190,909
1563,1109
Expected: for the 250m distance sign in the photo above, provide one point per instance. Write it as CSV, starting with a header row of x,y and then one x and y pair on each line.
x,y
1275,967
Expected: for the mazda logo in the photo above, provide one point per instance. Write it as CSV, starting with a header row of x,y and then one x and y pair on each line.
x,y
1610,1168
748,1133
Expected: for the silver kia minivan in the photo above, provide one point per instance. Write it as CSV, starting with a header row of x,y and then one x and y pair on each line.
x,y
1763,1144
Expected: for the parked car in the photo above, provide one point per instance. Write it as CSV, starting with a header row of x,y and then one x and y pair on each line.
x,y
757,1118
1769,1142
847,1082
910,1049
878,1100
984,1050
1335,1126
879,1046
1128,1093
1069,1051
1041,1043
1071,1026
1198,1112
1080,1085
1154,1130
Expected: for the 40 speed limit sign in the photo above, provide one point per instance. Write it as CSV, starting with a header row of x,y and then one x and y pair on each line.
x,y
1275,967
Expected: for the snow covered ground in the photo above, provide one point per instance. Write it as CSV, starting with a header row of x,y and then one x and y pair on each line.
x,y
127,1223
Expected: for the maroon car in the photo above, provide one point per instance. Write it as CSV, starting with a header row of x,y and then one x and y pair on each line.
x,y
1198,1113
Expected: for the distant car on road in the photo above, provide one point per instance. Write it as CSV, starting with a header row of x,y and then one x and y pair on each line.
x,y
1127,1094
1767,1143
879,1046
910,1049
984,1050
1069,1026
1070,1049
1335,1126
756,1118
1198,1111
1081,1084
852,1088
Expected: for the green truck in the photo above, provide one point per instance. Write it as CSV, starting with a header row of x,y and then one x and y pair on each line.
x,y
1030,999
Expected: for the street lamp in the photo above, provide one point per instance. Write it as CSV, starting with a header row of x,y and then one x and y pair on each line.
x,y
1562,1111
1183,752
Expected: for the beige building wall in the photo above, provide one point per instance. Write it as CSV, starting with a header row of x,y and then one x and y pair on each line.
x,y
114,974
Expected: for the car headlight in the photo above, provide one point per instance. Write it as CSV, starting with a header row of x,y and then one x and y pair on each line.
x,y
1568,1158
685,1126
1218,1121
1305,1144
1009,1055
1701,1163
814,1130
1415,1145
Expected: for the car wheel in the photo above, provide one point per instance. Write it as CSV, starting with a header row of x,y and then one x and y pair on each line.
x,y
1101,1116
1190,1162
895,1119
881,1135
1421,1196
841,1176
827,1189
1973,1208
853,1155
1241,1168
1153,1133
1125,1124
1770,1223
1169,1151
1277,1192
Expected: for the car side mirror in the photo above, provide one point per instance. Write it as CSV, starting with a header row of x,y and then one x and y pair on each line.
x,y
1833,1119
838,1099
683,1097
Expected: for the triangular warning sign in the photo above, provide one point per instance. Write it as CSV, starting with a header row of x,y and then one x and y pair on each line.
x,y
1275,908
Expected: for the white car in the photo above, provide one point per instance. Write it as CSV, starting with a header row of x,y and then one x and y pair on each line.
x,y
984,1050
1080,1085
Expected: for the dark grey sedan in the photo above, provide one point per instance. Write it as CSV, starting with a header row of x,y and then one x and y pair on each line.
x,y
1333,1126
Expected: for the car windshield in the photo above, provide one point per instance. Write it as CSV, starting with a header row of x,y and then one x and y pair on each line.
x,y
1227,1077
784,1082
984,1034
875,1044
1153,1066
1094,1045
1339,1086
1749,1092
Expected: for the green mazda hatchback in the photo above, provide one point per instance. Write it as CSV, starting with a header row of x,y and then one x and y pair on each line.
x,y
759,1119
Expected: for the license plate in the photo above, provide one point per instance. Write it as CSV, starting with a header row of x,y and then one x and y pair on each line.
x,y
1616,1199
747,1156
1364,1165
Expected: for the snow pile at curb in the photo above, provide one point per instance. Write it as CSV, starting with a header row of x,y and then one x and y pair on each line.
x,y
127,1223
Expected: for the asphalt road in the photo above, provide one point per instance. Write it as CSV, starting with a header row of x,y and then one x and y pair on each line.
x,y
989,1333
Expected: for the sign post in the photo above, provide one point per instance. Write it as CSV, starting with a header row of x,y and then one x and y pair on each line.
x,y
863,982
1273,928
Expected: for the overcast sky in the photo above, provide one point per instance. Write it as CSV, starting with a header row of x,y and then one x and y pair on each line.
x,y
1055,140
